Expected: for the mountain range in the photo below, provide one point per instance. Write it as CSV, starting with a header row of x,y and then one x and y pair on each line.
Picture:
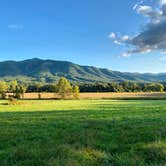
x,y
50,70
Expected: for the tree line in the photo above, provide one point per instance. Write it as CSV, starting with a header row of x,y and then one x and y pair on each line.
x,y
104,87
64,88
16,90
122,87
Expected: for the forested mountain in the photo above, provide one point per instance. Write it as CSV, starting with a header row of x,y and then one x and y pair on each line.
x,y
51,70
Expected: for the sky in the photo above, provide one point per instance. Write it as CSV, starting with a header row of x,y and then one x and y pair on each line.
x,y
122,35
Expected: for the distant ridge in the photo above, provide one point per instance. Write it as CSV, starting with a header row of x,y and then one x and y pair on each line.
x,y
51,70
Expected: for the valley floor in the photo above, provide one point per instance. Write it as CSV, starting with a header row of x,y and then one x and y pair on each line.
x,y
103,95
83,132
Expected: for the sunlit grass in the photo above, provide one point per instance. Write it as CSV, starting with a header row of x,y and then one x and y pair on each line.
x,y
83,132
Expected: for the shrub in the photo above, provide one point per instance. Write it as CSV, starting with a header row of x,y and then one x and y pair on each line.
x,y
76,91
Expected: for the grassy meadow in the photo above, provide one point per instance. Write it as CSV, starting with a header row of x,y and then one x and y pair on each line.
x,y
83,132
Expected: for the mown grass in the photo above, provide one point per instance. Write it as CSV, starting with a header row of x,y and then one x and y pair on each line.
x,y
83,132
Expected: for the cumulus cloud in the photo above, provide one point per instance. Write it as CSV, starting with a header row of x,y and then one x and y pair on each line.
x,y
125,38
117,39
153,35
112,35
146,10
153,14
162,2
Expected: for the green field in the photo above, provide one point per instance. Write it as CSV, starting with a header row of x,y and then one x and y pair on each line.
x,y
85,132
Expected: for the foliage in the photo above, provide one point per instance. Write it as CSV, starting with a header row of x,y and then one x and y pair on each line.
x,y
3,89
38,86
17,89
122,87
64,88
153,87
76,91
42,88
20,90
13,86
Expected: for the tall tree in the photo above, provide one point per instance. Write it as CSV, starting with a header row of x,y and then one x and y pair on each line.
x,y
13,87
64,87
3,89
20,90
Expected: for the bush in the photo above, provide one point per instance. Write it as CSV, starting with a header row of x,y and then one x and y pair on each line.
x,y
76,92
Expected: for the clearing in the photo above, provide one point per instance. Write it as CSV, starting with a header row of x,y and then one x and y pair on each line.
x,y
83,132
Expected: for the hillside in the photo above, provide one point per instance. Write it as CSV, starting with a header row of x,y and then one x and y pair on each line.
x,y
50,70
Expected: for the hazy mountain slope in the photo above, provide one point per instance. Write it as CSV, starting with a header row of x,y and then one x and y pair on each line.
x,y
50,70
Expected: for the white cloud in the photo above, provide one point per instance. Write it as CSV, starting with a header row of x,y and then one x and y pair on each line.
x,y
144,9
125,38
117,42
118,39
146,51
112,35
126,54
15,26
151,13
162,2
115,39
153,35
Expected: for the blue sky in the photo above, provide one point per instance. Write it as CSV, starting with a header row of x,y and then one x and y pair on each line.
x,y
77,31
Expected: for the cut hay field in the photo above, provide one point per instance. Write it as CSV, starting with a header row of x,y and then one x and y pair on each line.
x,y
83,132
106,95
